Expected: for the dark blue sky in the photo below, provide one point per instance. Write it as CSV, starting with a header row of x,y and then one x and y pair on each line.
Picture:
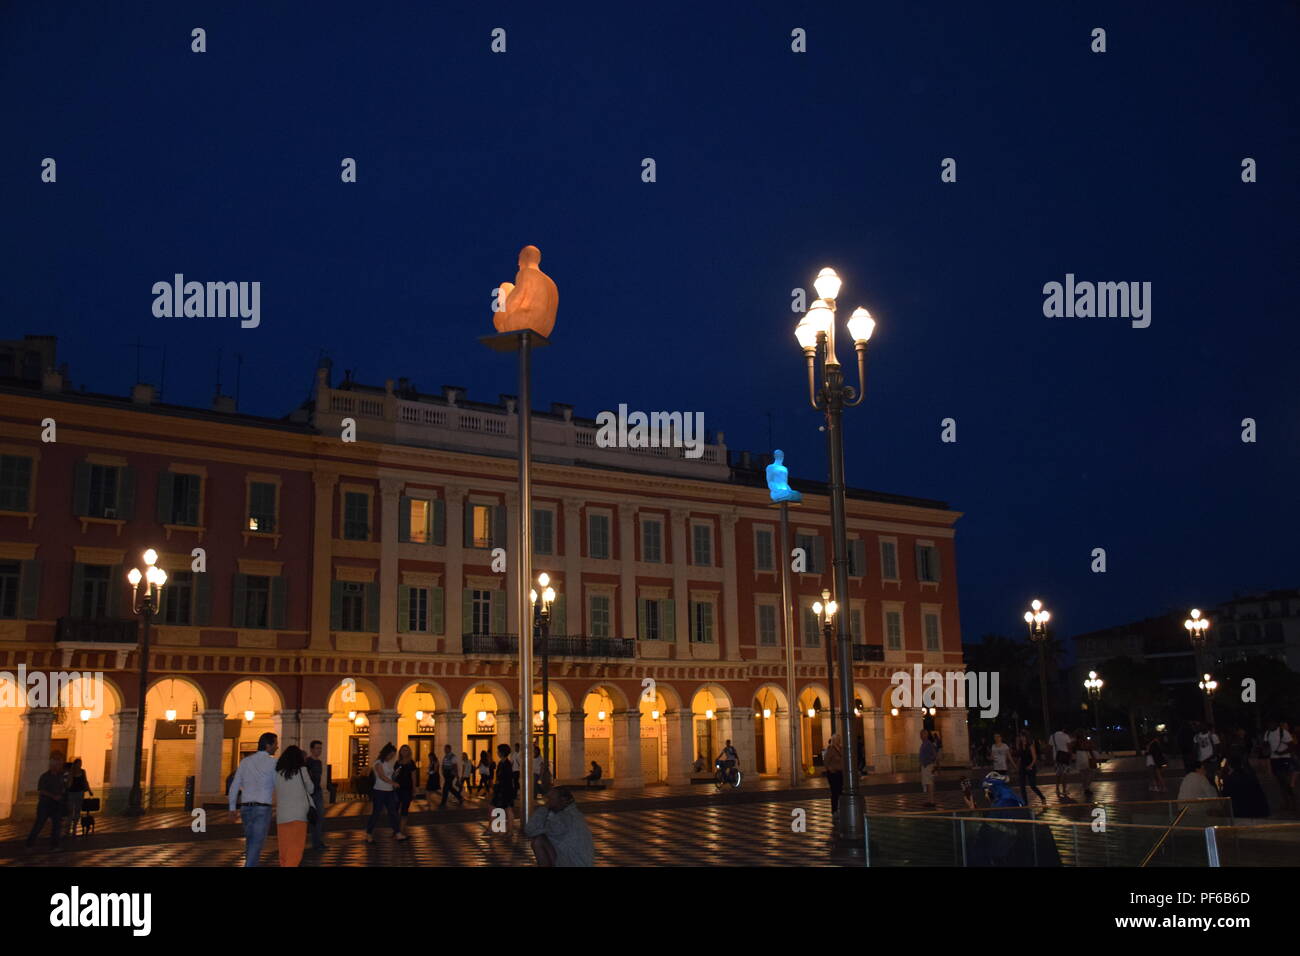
x,y
1073,433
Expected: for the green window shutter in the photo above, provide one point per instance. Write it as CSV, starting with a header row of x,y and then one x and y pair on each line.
x,y
166,488
29,590
81,489
126,493
859,557
819,555
403,518
372,607
193,498
436,611
640,618
920,569
336,605
467,611
559,625
934,563
440,522
116,585
403,607
239,610
668,619
499,527
499,612
469,527
277,602
202,599
76,607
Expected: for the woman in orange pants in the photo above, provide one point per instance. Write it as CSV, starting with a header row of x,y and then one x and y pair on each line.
x,y
293,790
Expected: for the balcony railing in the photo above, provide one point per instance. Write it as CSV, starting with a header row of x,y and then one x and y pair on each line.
x,y
101,630
868,652
560,645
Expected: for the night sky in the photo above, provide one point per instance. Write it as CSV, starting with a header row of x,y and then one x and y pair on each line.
x,y
1073,433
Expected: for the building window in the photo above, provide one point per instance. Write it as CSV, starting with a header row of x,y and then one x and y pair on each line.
x,y
814,551
482,612
261,506
651,620
10,581
599,619
257,601
485,525
103,490
418,517
857,558
178,498
855,626
652,540
15,482
598,536
702,622
764,551
812,627
543,531
927,562
889,560
702,545
94,590
932,632
356,516
894,630
767,624
417,616
178,599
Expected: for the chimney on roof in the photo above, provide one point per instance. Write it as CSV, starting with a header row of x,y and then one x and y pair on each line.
x,y
142,393
324,369
224,403
54,379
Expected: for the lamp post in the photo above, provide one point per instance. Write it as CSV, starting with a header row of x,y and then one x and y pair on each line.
x,y
826,615
1037,617
816,336
1093,686
783,496
542,622
1208,686
145,604
1196,626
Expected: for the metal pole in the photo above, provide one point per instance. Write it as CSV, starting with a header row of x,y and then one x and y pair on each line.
x,y
546,691
1042,688
851,805
829,640
135,806
524,563
787,615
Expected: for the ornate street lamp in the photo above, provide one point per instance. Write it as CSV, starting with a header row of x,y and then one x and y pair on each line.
x,y
1037,617
828,393
145,604
1196,626
825,616
1093,686
542,626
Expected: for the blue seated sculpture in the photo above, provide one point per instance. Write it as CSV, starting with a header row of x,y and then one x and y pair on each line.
x,y
778,480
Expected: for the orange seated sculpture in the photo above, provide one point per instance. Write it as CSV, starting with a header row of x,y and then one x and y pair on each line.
x,y
530,302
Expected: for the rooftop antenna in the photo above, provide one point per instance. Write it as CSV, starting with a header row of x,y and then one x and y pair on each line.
x,y
139,347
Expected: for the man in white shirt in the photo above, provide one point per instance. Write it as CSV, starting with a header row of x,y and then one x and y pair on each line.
x,y
1197,785
1000,753
1061,750
1207,744
255,777
1281,759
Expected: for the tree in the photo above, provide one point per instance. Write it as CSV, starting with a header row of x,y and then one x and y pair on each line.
x,y
1134,688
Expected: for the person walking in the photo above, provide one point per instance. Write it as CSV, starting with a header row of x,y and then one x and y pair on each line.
x,y
432,780
293,804
928,757
1083,761
466,773
404,778
1027,760
503,791
78,790
484,771
833,759
1001,755
251,793
316,771
52,792
451,774
1280,743
383,796
1156,763
1060,742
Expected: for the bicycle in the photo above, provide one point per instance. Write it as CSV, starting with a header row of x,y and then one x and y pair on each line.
x,y
727,776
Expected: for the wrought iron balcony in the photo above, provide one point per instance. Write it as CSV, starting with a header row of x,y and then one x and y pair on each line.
x,y
559,645
101,630
868,652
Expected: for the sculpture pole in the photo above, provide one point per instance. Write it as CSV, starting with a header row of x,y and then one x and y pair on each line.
x,y
787,615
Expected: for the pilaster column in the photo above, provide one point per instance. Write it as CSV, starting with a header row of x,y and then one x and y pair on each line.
x,y
573,606
626,626
783,742
322,559
875,734
449,728
681,594
681,745
124,724
956,736
738,724
515,563
209,732
284,724
730,592
453,587
912,724
509,731
383,730
571,746
627,750
390,494
35,751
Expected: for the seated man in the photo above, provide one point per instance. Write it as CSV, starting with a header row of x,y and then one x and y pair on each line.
x,y
727,760
558,833
594,776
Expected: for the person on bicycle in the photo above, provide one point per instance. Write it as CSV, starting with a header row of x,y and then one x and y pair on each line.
x,y
727,761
